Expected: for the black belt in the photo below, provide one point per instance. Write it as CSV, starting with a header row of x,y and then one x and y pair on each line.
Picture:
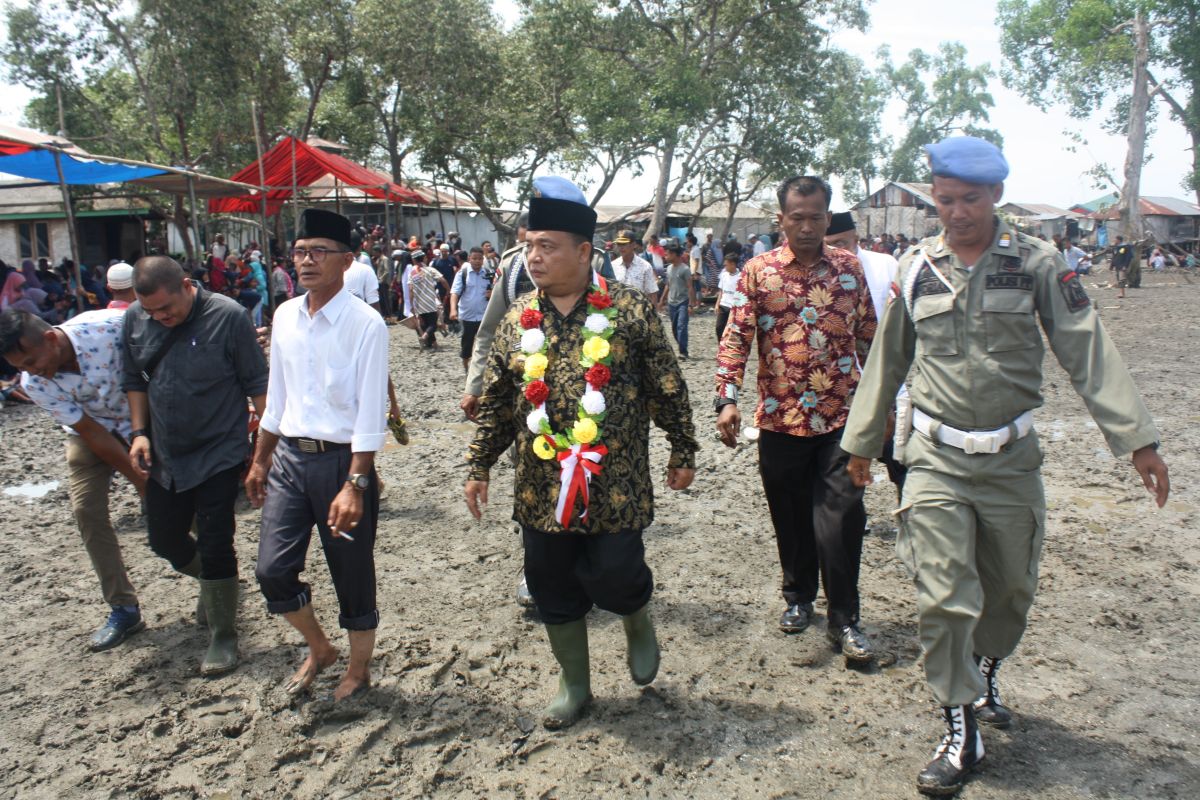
x,y
314,445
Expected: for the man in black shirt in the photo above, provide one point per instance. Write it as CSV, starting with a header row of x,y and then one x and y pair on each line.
x,y
1122,258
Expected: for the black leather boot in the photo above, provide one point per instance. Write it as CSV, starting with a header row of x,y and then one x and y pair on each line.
x,y
960,751
990,709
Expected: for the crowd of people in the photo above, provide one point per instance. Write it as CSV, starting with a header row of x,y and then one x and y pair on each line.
x,y
568,362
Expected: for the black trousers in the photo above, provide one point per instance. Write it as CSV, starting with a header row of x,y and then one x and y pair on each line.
x,y
427,328
722,320
169,516
568,573
818,517
470,328
300,489
895,470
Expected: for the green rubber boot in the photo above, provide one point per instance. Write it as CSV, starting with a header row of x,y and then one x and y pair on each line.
x,y
643,646
569,642
192,570
220,599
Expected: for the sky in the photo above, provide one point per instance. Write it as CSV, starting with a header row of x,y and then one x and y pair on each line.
x,y
1044,169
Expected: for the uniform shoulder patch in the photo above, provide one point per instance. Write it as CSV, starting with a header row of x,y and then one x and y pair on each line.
x,y
1073,294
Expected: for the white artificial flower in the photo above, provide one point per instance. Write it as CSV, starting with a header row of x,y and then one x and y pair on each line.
x,y
593,402
532,341
534,420
596,323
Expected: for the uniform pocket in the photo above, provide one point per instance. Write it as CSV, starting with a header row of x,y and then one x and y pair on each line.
x,y
1008,321
905,551
933,318
1036,539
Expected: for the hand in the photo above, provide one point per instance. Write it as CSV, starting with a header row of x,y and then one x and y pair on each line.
x,y
139,457
256,484
860,471
729,422
394,411
470,405
476,494
454,316
139,483
1153,469
345,511
679,478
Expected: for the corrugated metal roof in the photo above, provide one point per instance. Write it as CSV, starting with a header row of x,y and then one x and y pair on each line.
x,y
1042,210
1156,207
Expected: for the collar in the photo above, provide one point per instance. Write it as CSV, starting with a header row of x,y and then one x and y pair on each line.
x,y
333,309
788,258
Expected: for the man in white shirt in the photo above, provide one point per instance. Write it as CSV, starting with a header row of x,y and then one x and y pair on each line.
x,y
362,282
1073,254
880,270
759,245
73,372
315,462
632,270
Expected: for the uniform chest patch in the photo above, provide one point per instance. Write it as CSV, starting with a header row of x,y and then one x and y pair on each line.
x,y
1010,264
1073,292
1010,281
928,283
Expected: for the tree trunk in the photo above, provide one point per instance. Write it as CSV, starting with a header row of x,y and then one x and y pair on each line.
x,y
1131,220
665,161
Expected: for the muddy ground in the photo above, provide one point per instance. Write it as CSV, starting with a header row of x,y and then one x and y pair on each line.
x,y
1104,685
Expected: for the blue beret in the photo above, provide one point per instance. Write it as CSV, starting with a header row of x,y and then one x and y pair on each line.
x,y
967,159
553,187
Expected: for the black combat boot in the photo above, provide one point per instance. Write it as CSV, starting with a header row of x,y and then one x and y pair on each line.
x,y
960,751
990,709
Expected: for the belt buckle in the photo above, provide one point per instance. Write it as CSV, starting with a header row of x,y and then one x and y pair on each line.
x,y
988,443
308,445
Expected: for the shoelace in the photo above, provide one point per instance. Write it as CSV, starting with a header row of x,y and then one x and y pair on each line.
x,y
953,739
989,667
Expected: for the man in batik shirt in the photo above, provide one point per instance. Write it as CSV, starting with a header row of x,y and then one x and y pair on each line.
x,y
810,308
577,372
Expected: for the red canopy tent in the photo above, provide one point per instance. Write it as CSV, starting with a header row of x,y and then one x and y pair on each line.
x,y
310,165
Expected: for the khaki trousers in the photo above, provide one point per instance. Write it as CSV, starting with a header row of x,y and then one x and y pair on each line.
x,y
971,533
89,479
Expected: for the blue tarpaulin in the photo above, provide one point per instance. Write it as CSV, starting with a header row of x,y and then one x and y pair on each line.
x,y
39,165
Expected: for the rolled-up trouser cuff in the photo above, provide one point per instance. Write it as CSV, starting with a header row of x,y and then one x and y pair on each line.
x,y
292,603
365,622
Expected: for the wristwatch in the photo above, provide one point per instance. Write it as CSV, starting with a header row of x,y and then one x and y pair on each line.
x,y
359,480
721,402
135,434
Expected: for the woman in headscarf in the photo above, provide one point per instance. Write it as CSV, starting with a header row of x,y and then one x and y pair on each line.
x,y
10,289
29,270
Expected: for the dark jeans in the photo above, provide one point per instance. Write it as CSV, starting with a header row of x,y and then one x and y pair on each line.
x,y
469,329
818,517
722,319
568,573
679,325
385,299
169,516
300,489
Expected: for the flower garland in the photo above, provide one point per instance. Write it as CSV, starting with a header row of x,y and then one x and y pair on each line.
x,y
579,449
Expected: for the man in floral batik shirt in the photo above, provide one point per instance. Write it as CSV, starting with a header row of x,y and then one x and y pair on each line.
x,y
810,309
576,373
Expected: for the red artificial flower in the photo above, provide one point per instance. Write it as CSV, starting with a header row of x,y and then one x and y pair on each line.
x,y
537,392
531,318
598,376
599,300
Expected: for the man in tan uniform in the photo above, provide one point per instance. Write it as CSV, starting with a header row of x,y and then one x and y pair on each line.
x,y
973,510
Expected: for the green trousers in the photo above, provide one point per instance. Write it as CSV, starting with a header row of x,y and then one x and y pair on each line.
x,y
971,533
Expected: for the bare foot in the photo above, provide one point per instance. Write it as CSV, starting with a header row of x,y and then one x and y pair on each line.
x,y
309,670
351,685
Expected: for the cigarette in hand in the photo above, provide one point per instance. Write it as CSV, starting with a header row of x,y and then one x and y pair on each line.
x,y
344,535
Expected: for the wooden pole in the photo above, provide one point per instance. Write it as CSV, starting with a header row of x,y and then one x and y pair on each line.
x,y
295,192
72,234
265,245
195,214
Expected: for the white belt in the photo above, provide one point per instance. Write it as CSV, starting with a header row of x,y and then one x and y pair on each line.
x,y
972,442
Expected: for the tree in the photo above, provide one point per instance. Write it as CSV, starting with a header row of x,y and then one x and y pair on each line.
x,y
1081,53
693,60
940,94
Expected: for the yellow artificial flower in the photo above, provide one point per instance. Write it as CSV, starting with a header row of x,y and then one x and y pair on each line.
x,y
585,430
542,448
596,348
535,366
